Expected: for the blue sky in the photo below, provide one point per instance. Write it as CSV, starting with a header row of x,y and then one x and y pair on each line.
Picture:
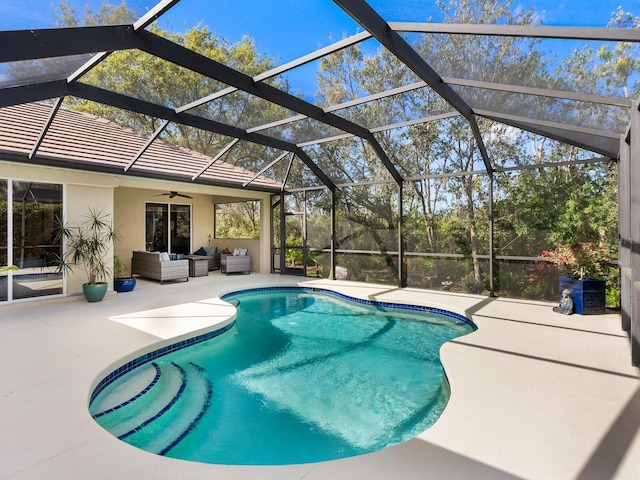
x,y
267,20
288,29
324,23
317,22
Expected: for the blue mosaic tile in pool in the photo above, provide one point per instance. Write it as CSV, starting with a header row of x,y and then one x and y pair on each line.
x,y
148,357
401,306
134,398
196,420
166,408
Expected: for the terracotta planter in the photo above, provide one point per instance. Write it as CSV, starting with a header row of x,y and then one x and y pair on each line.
x,y
588,294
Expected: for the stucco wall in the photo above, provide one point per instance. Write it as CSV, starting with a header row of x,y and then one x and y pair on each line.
x,y
124,199
81,198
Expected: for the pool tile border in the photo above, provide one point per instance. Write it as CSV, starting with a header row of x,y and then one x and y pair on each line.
x,y
375,303
165,409
148,357
135,397
195,421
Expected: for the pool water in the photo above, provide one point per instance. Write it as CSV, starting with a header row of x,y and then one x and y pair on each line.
x,y
301,377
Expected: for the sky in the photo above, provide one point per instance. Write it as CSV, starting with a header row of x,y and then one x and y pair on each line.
x,y
316,22
288,29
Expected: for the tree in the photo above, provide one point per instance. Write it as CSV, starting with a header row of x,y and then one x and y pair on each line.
x,y
621,63
238,219
161,82
108,14
504,59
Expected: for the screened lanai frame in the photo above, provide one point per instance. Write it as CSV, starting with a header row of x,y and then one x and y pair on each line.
x,y
72,52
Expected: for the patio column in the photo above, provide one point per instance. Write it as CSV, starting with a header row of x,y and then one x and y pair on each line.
x,y
402,274
635,232
283,233
305,253
624,231
491,254
332,274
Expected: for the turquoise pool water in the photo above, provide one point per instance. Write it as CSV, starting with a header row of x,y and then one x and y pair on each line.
x,y
302,376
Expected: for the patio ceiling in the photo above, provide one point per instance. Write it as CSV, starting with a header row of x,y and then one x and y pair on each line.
x,y
71,52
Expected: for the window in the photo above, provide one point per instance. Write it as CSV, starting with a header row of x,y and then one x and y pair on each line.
x,y
238,219
168,228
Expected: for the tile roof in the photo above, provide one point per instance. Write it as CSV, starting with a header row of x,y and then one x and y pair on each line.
x,y
84,141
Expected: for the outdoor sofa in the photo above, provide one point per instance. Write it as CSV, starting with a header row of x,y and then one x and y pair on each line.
x,y
158,266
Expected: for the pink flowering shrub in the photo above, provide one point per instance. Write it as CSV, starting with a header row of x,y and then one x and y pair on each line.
x,y
581,259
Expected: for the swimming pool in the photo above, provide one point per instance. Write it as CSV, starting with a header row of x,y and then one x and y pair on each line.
x,y
302,375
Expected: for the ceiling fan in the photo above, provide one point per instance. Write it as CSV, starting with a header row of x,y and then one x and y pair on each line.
x,y
173,194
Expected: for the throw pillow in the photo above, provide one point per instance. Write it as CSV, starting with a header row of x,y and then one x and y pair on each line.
x,y
243,251
236,252
210,251
164,257
200,251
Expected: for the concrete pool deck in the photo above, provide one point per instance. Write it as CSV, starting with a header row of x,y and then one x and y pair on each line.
x,y
535,394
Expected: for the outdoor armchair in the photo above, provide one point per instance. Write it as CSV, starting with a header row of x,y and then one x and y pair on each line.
x,y
238,262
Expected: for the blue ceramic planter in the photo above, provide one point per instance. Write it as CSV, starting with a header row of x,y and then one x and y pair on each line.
x,y
588,294
124,284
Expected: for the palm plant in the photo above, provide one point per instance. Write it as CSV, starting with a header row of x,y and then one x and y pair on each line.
x,y
88,245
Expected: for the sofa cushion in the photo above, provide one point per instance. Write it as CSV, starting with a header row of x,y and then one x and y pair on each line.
x,y
211,251
200,251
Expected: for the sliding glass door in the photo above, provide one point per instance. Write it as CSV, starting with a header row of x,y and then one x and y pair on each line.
x,y
168,228
28,212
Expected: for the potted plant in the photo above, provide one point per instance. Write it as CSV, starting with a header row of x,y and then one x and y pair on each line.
x,y
88,246
121,282
580,266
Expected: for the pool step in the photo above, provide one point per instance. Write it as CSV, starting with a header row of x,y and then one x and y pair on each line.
x,y
145,409
178,417
132,386
187,412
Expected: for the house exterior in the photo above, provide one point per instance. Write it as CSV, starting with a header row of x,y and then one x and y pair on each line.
x,y
129,199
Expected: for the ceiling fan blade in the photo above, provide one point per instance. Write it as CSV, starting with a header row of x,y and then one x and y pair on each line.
x,y
173,194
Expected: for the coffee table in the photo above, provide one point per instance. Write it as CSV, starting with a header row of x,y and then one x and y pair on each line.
x,y
198,265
